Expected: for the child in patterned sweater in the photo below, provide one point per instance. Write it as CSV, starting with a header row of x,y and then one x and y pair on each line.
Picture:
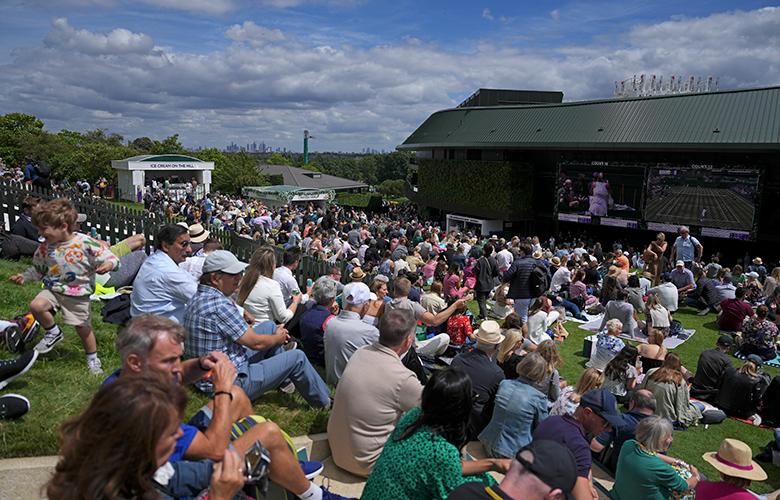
x,y
66,262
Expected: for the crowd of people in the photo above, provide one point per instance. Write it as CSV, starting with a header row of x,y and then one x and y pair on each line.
x,y
236,331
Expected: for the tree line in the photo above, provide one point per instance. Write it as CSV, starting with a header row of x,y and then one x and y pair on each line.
x,y
88,155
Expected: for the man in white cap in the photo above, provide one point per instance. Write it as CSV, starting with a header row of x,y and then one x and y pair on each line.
x,y
485,375
682,278
345,333
216,323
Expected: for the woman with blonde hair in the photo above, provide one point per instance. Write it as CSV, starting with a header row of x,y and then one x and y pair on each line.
x,y
519,408
770,284
507,358
652,354
377,307
657,317
740,392
569,400
260,294
654,258
671,392
754,294
552,384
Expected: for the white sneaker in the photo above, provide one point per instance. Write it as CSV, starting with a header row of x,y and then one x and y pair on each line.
x,y
287,388
48,341
702,312
95,366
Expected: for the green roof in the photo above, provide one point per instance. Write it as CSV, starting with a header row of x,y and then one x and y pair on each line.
x,y
728,120
286,189
149,158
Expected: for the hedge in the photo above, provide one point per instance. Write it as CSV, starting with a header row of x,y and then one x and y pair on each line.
x,y
370,201
500,186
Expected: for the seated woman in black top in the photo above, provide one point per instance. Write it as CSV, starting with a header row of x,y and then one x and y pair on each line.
x,y
740,391
652,354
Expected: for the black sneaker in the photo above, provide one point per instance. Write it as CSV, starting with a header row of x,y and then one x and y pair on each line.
x,y
11,369
13,339
13,406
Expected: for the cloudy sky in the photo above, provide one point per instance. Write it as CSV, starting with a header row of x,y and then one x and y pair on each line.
x,y
355,73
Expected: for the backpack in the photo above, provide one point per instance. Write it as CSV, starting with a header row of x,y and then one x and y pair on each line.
x,y
42,168
539,280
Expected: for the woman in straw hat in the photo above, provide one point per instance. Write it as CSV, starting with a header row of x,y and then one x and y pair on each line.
x,y
737,470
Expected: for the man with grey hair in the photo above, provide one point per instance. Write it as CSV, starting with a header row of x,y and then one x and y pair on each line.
x,y
152,343
345,333
685,247
641,406
438,344
314,320
375,390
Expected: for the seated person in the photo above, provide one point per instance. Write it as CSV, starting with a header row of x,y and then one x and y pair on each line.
x,y
759,335
314,320
541,316
657,317
667,293
710,368
607,345
641,406
621,309
733,312
459,325
682,278
374,392
23,226
740,392
704,296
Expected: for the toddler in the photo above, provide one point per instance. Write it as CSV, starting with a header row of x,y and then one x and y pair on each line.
x,y
66,262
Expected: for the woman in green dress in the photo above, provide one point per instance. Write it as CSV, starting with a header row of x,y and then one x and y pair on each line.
x,y
421,459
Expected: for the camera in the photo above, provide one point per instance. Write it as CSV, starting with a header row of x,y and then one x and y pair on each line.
x,y
256,462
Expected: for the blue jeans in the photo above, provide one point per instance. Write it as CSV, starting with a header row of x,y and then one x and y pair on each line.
x,y
521,308
190,478
569,306
691,302
267,370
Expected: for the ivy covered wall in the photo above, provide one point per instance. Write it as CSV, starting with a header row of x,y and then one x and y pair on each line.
x,y
501,186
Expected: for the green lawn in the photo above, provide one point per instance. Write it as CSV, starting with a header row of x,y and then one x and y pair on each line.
x,y
59,387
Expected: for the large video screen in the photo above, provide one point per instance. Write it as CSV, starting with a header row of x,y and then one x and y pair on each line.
x,y
607,191
722,201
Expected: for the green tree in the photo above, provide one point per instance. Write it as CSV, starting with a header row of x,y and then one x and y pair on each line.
x,y
278,159
214,155
239,170
92,160
391,188
170,146
102,136
143,144
13,127
71,137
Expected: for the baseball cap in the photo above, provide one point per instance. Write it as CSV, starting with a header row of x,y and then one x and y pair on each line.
x,y
679,263
603,402
753,274
725,340
755,358
81,218
553,463
222,260
357,294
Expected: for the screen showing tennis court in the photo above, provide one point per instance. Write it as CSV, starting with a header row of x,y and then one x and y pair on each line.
x,y
717,199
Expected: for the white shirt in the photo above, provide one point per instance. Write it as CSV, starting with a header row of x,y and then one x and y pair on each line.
x,y
265,302
504,258
561,277
287,284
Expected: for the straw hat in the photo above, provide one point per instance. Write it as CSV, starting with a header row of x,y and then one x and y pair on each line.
x,y
537,254
489,333
555,261
197,233
757,261
614,271
357,273
734,458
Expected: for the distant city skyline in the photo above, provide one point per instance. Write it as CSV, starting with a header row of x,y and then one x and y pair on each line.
x,y
352,72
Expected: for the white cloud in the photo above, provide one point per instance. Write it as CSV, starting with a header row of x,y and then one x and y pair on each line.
x,y
556,14
349,97
486,14
118,41
253,34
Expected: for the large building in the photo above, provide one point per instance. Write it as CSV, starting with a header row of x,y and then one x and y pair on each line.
x,y
528,163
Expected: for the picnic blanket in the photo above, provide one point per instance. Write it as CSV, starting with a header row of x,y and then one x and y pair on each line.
x,y
772,362
669,342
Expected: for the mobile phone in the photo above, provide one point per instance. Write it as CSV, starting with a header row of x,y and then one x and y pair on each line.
x,y
256,462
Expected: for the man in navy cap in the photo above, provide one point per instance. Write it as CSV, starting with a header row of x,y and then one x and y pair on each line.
x,y
597,413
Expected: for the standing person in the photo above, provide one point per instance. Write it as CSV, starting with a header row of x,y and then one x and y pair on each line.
x,y
685,248
654,255
486,271
600,195
519,278
67,263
